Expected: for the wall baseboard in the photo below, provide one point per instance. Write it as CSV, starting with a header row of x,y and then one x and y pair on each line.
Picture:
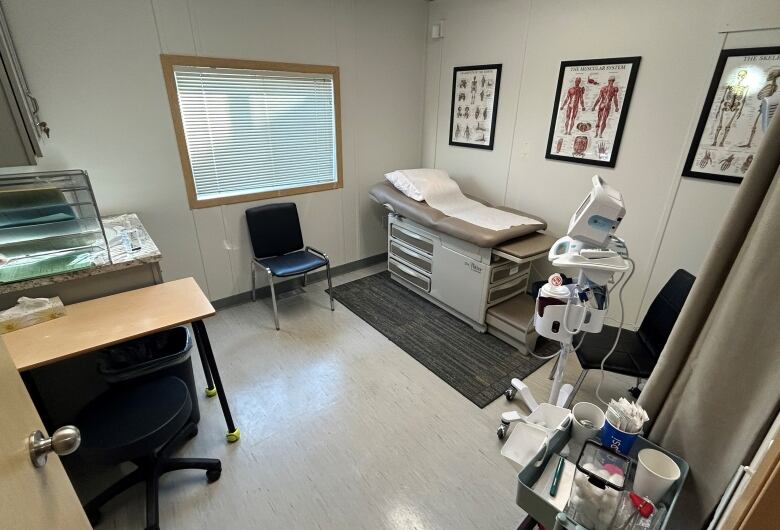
x,y
297,282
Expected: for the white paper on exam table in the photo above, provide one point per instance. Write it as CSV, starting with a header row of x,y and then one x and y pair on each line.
x,y
542,486
444,194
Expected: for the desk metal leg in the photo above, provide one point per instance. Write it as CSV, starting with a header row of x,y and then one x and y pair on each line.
x,y
199,328
211,390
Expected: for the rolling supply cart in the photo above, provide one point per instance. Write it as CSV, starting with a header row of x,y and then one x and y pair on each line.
x,y
534,500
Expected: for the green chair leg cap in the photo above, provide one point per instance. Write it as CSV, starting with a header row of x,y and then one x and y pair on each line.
x,y
211,392
233,436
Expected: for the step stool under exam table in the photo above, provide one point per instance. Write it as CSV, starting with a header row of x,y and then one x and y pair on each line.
x,y
479,275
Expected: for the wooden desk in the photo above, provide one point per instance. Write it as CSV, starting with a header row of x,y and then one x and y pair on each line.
x,y
96,324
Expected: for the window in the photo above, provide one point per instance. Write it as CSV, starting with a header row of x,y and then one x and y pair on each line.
x,y
249,130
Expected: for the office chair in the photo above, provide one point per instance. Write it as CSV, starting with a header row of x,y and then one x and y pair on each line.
x,y
275,232
636,353
143,424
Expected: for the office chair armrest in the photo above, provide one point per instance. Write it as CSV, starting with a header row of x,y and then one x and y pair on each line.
x,y
315,251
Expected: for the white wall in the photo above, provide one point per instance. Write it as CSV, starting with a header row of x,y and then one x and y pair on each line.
x,y
531,38
699,206
475,33
94,66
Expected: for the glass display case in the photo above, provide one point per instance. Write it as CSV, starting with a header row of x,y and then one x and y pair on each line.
x,y
49,224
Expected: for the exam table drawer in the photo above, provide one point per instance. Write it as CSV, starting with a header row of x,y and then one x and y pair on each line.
x,y
410,275
507,270
409,256
506,290
416,241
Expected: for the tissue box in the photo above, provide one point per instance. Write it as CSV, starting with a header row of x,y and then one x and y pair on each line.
x,y
30,311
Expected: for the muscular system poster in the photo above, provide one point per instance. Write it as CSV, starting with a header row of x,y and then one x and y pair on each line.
x,y
731,128
591,104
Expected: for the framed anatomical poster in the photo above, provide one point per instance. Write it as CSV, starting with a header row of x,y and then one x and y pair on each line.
x,y
735,114
474,105
590,108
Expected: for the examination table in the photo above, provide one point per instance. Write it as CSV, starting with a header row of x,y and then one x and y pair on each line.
x,y
477,274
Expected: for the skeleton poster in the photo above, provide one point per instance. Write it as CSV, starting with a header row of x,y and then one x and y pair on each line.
x,y
591,104
732,123
474,105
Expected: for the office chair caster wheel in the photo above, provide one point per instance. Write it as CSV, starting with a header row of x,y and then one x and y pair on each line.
x,y
510,393
212,475
93,516
634,391
502,430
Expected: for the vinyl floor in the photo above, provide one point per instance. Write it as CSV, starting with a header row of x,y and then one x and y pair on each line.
x,y
340,429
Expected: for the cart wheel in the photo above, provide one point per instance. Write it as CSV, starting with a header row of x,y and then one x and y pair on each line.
x,y
510,393
502,430
212,475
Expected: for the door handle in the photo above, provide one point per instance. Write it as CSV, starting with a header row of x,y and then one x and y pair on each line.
x,y
44,127
64,441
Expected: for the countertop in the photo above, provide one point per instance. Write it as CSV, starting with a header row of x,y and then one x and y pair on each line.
x,y
120,258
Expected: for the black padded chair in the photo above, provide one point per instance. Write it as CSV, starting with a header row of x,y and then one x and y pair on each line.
x,y
143,424
277,245
637,351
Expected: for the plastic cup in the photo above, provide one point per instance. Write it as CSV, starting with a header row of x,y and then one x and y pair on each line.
x,y
617,440
588,421
655,474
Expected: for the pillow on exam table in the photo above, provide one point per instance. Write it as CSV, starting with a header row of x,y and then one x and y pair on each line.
x,y
414,182
404,185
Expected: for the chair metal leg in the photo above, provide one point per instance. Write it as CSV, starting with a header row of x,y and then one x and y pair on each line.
x,y
636,390
304,279
330,286
273,297
576,388
252,269
555,366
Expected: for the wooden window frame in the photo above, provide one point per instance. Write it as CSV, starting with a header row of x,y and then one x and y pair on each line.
x,y
171,61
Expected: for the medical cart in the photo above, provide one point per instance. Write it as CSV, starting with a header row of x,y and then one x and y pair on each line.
x,y
543,512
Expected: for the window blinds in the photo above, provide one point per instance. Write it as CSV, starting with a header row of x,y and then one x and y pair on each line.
x,y
252,131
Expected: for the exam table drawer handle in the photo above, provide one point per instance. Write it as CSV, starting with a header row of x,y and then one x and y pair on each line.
x,y
504,271
410,275
417,241
413,258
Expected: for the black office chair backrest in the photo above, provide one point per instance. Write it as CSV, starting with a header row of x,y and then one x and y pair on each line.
x,y
663,312
274,229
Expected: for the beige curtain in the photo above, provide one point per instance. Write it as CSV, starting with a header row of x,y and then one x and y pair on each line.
x,y
716,388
